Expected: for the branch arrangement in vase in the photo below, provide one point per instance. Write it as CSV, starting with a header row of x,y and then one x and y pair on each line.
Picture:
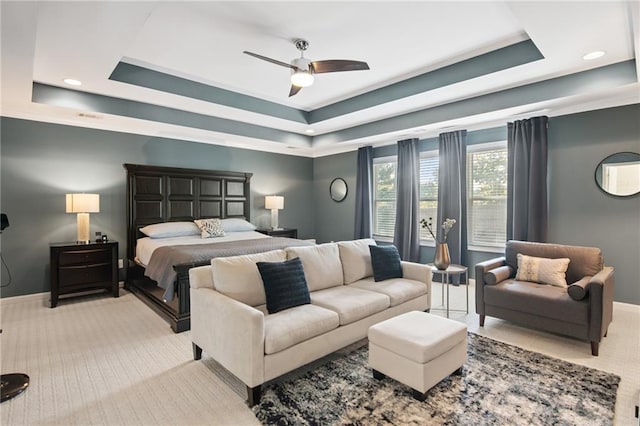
x,y
446,226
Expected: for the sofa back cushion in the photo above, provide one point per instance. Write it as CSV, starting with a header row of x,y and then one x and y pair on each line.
x,y
321,263
583,261
356,259
238,276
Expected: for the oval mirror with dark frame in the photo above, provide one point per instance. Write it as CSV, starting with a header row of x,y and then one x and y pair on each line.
x,y
338,189
619,174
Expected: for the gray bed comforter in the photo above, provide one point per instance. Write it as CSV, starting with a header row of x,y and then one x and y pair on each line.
x,y
161,267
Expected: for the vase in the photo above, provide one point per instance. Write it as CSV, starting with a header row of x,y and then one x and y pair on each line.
x,y
441,259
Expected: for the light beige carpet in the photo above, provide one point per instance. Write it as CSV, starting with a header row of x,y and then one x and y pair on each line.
x,y
106,361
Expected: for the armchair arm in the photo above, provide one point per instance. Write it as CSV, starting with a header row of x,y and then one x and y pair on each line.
x,y
230,332
481,268
601,303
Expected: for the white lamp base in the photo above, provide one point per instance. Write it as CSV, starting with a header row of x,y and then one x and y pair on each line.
x,y
83,228
274,220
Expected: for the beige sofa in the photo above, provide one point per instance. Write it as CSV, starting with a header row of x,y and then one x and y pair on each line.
x,y
583,309
229,320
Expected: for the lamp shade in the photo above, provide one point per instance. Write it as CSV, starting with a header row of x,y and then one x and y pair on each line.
x,y
83,203
274,202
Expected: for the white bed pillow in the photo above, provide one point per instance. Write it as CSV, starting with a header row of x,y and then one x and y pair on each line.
x,y
237,225
170,229
238,277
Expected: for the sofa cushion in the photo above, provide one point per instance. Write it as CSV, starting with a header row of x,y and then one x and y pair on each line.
x,y
238,276
385,262
542,270
350,303
321,264
356,259
399,290
537,299
585,261
496,275
284,284
292,326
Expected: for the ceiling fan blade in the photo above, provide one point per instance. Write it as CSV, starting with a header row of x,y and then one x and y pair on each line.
x,y
335,65
273,61
294,90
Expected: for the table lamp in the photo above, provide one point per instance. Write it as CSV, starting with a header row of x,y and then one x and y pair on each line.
x,y
83,204
275,203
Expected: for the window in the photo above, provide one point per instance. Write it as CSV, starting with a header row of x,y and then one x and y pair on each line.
x,y
429,191
487,193
384,193
384,196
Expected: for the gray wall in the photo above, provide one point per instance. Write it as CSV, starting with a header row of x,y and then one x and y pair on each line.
x,y
579,213
334,221
41,162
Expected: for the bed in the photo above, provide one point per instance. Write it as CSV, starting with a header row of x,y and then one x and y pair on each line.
x,y
167,195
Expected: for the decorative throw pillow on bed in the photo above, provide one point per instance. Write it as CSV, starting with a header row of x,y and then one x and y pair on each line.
x,y
284,284
542,270
210,228
385,261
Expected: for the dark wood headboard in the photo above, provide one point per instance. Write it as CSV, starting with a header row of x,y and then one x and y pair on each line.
x,y
168,194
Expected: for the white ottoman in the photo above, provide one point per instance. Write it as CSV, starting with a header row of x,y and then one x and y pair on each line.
x,y
417,349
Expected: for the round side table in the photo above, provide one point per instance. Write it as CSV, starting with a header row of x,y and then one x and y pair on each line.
x,y
445,274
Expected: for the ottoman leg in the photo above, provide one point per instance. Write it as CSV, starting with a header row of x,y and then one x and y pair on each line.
x,y
418,395
378,375
458,372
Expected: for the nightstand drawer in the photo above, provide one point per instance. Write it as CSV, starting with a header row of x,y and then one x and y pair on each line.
x,y
73,275
84,257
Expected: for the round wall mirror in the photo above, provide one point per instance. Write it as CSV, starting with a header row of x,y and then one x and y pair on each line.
x,y
338,189
619,174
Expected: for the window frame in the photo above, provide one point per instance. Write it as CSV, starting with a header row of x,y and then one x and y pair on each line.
x,y
380,160
472,149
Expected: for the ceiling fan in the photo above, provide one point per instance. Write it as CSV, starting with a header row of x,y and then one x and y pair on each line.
x,y
304,69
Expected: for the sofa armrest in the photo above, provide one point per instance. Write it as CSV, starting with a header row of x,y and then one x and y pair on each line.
x,y
480,270
418,272
230,332
601,289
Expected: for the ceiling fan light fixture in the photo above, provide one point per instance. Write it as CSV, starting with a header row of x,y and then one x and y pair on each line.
x,y
302,78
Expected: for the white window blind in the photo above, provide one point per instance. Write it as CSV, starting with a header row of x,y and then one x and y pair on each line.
x,y
487,193
384,197
384,193
429,192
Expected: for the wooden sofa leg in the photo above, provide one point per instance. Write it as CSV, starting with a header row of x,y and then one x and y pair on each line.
x,y
481,320
253,395
606,331
197,351
594,348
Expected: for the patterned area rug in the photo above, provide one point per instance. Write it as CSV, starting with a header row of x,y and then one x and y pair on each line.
x,y
500,384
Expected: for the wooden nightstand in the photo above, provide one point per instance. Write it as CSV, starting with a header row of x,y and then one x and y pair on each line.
x,y
82,267
284,232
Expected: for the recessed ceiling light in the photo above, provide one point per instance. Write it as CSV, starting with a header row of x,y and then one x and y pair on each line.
x,y
72,82
593,55
309,131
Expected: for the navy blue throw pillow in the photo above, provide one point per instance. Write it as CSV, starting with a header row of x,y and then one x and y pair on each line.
x,y
284,284
385,261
